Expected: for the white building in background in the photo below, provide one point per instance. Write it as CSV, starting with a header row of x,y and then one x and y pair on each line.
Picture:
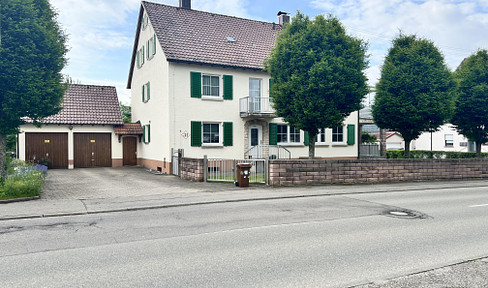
x,y
446,139
197,83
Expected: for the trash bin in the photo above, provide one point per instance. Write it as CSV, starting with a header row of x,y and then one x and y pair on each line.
x,y
243,173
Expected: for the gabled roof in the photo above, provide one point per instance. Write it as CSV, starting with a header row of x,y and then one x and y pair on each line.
x,y
88,105
192,36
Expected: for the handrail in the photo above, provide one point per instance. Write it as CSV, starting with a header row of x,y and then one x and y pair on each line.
x,y
256,105
267,155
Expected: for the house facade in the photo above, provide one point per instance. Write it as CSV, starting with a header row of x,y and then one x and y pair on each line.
x,y
88,132
197,85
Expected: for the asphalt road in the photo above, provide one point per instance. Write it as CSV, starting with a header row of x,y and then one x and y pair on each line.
x,y
327,241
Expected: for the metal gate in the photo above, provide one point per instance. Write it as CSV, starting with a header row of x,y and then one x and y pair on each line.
x,y
224,170
176,155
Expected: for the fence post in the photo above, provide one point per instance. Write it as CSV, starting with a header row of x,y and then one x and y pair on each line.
x,y
266,171
205,168
235,171
172,163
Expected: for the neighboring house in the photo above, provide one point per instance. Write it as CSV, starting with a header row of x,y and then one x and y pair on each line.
x,y
88,132
197,83
445,139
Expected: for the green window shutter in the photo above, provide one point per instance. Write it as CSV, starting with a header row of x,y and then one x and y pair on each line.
x,y
147,49
148,96
273,134
228,138
306,140
154,44
228,87
196,133
270,84
148,133
351,134
143,93
196,84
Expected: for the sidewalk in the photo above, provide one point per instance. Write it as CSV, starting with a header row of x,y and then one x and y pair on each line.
x,y
197,194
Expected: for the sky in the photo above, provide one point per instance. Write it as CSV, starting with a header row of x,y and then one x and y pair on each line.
x,y
101,32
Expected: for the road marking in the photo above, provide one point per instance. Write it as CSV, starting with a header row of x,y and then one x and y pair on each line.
x,y
481,205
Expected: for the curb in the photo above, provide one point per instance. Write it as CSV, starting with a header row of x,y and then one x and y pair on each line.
x,y
22,199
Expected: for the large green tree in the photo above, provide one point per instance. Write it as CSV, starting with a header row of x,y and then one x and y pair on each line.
x,y
32,55
414,93
318,74
471,108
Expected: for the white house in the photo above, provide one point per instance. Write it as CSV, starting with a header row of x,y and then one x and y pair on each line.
x,y
197,83
88,132
446,138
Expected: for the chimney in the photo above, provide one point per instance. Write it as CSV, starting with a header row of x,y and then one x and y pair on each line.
x,y
283,18
185,4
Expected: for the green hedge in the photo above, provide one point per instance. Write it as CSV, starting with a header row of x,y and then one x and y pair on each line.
x,y
421,154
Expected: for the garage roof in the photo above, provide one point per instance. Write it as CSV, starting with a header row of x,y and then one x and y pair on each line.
x,y
88,104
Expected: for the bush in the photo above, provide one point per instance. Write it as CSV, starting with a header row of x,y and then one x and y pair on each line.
x,y
23,180
421,154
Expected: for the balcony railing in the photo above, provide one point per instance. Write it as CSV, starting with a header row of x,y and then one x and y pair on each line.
x,y
256,106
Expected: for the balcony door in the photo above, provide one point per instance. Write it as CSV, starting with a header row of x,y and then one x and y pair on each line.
x,y
255,141
255,95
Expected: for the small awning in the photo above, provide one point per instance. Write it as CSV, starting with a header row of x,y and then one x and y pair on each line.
x,y
129,129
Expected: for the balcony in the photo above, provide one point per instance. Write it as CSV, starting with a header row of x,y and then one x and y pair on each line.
x,y
256,107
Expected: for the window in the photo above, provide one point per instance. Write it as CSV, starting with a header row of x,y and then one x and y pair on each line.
x,y
287,134
282,133
255,94
146,133
321,136
146,92
449,140
338,135
211,85
145,21
211,133
140,57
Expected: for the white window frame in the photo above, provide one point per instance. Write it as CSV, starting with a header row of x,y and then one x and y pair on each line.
x,y
221,135
147,132
147,91
336,133
321,140
213,97
448,142
145,21
289,134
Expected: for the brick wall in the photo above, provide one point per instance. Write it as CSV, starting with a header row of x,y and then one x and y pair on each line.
x,y
311,172
192,169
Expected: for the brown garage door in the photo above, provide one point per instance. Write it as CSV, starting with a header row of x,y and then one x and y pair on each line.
x,y
92,149
50,146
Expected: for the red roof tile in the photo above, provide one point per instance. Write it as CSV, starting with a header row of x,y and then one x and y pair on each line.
x,y
193,36
89,105
129,129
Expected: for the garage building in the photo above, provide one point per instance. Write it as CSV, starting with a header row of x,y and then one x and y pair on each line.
x,y
83,134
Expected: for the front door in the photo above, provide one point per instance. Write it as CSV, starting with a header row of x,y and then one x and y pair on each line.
x,y
255,141
130,150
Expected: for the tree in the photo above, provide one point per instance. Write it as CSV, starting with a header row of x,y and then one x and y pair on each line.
x,y
317,74
414,93
471,107
32,53
368,138
126,112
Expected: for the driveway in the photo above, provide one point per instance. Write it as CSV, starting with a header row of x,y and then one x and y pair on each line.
x,y
92,183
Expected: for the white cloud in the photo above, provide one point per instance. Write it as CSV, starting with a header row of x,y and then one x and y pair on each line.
x,y
458,28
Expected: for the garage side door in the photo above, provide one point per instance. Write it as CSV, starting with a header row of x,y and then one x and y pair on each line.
x,y
51,146
92,149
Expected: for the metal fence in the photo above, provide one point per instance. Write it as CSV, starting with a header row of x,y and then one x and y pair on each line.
x,y
225,170
369,150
